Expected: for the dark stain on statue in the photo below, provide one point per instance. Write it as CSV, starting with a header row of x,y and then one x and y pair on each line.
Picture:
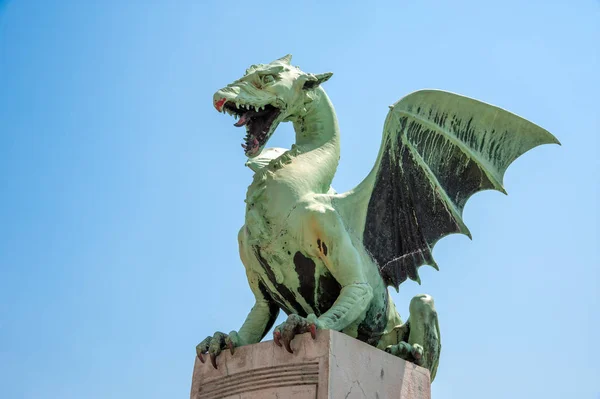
x,y
327,292
281,289
322,246
305,269
400,236
372,327
386,215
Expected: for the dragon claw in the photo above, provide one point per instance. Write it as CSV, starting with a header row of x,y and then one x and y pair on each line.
x,y
286,343
417,353
293,326
313,331
411,353
202,348
214,345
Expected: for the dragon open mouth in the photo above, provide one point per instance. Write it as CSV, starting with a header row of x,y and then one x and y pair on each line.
x,y
259,121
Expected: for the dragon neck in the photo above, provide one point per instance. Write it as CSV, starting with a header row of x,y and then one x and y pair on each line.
x,y
308,167
317,150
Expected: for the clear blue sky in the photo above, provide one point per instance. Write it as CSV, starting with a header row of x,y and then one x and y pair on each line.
x,y
121,189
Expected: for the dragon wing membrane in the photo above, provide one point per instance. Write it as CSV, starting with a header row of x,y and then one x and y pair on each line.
x,y
438,149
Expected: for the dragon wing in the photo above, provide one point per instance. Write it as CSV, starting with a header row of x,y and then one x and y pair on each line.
x,y
438,149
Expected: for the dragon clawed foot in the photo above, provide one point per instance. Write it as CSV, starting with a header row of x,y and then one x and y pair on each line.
x,y
408,352
294,325
215,344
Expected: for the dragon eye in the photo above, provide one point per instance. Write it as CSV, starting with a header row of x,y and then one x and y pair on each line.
x,y
268,79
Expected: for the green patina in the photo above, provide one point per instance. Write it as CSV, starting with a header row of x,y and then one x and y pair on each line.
x,y
327,259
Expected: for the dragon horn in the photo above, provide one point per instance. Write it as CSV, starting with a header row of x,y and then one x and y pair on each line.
x,y
286,59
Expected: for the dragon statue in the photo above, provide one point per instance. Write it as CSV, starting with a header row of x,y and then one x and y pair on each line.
x,y
326,259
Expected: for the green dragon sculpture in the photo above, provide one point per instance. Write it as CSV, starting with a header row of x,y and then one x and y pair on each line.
x,y
326,259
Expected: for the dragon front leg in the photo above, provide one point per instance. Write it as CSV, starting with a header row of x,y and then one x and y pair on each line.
x,y
325,237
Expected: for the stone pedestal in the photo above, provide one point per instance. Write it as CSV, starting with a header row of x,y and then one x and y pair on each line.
x,y
334,366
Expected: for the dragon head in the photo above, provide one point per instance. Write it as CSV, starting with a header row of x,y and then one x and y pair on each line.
x,y
265,96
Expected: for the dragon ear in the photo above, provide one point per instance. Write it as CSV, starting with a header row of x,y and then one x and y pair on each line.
x,y
287,59
315,80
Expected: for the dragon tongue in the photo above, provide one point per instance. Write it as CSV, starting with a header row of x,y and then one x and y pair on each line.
x,y
243,120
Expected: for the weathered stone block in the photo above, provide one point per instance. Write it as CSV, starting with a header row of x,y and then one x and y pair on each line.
x,y
332,366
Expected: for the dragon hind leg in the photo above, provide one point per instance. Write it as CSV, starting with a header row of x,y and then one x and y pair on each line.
x,y
419,338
